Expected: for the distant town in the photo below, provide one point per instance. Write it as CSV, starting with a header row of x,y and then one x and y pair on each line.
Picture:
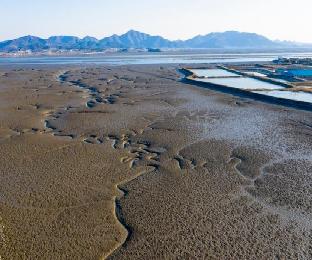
x,y
293,61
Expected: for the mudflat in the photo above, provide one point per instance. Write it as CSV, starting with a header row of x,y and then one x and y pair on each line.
x,y
128,162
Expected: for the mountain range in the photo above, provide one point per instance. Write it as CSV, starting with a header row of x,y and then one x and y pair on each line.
x,y
139,40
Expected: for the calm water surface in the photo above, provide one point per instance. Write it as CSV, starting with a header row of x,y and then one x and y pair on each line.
x,y
255,73
245,83
301,72
162,58
242,83
297,96
213,73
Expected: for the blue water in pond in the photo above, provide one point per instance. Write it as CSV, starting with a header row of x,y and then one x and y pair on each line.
x,y
301,72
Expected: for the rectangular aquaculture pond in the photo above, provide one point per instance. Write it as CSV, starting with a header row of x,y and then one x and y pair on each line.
x,y
291,95
242,83
213,73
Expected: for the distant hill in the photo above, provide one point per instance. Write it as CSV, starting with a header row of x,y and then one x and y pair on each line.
x,y
24,43
231,39
135,39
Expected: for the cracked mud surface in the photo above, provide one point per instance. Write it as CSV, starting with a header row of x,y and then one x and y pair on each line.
x,y
129,163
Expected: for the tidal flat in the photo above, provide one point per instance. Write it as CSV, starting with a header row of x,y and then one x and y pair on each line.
x,y
129,162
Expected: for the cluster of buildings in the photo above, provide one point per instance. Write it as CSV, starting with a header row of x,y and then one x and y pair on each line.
x,y
293,61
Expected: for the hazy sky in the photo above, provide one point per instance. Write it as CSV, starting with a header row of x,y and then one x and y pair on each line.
x,y
173,19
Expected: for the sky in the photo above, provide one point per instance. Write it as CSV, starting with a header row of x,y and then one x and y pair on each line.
x,y
172,19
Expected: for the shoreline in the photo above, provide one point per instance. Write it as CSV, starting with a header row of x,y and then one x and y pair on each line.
x,y
196,56
165,51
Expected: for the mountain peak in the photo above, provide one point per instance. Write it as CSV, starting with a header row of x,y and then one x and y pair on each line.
x,y
89,38
29,37
134,32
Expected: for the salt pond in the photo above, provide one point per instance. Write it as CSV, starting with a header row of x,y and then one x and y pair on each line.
x,y
241,83
213,73
301,72
225,78
297,96
255,73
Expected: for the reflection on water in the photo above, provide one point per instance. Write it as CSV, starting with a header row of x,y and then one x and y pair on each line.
x,y
213,73
297,96
191,57
255,73
241,83
225,78
126,60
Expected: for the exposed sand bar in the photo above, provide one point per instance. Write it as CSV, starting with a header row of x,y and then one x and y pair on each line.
x,y
151,168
